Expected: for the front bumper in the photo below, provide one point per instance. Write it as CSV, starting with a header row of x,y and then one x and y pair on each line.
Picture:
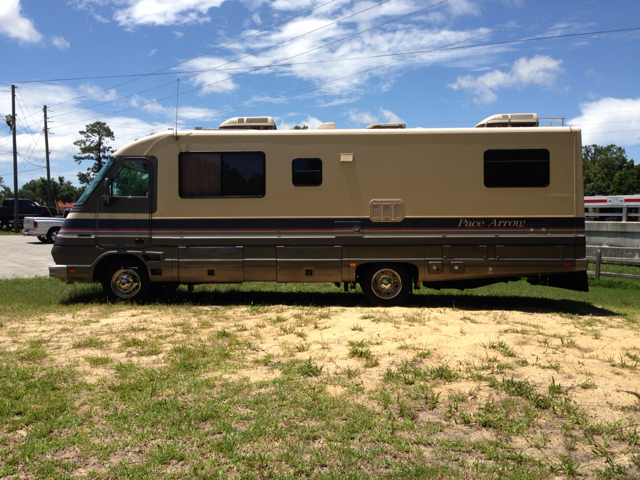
x,y
59,271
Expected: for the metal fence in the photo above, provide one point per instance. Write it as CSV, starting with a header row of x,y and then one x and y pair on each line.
x,y
599,260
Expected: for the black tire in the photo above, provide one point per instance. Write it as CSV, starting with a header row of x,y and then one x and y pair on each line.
x,y
386,285
52,234
43,239
126,280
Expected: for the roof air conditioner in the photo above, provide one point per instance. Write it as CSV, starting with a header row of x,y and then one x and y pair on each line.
x,y
248,123
509,120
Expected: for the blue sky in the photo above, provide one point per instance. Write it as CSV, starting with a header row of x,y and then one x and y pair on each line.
x,y
311,61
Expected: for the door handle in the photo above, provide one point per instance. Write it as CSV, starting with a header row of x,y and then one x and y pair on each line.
x,y
139,241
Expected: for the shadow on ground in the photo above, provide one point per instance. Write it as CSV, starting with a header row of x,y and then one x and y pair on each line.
x,y
473,300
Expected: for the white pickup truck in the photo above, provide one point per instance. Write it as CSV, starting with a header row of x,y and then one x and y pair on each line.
x,y
45,228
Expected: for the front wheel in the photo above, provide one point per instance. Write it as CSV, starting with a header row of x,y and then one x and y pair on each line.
x,y
386,286
127,281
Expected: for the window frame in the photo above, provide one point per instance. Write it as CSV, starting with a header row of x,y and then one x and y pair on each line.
x,y
496,184
294,171
222,154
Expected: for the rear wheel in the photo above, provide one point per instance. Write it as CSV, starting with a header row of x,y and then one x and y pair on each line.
x,y
386,286
127,280
52,234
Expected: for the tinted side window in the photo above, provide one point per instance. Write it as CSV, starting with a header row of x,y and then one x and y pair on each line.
x,y
222,174
306,172
131,180
516,168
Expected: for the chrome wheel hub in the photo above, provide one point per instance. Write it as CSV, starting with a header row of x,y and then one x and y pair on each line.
x,y
125,283
386,283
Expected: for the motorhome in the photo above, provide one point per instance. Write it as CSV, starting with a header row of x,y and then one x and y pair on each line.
x,y
387,207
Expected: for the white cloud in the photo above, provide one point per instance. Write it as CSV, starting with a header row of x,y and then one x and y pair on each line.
x,y
540,70
390,117
609,120
513,3
342,78
368,118
163,12
152,52
60,42
14,25
311,122
463,7
362,117
67,120
178,34
211,81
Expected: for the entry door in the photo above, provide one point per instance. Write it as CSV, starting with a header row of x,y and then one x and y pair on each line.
x,y
124,215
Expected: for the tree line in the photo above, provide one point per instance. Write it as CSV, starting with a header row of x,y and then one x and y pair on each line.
x,y
607,170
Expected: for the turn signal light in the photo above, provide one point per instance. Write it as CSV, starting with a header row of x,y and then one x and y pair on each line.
x,y
352,264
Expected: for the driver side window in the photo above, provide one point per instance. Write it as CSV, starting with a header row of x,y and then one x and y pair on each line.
x,y
131,180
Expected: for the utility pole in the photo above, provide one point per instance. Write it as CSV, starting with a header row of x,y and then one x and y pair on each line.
x,y
46,150
16,210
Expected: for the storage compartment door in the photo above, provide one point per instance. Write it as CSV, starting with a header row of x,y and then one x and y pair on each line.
x,y
210,264
309,264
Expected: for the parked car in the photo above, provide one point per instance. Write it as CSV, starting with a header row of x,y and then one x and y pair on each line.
x,y
26,208
45,228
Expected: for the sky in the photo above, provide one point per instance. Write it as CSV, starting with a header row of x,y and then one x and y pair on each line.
x,y
426,63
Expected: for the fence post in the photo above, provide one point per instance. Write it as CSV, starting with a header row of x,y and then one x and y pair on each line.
x,y
598,259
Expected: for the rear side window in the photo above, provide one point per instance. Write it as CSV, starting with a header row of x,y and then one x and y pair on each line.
x,y
222,174
306,172
516,168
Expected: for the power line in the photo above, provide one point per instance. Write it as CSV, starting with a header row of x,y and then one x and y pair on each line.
x,y
414,54
21,171
417,54
232,61
192,58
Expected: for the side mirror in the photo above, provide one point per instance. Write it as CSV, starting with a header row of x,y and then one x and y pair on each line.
x,y
107,197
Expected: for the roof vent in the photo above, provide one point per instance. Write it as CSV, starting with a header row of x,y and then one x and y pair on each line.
x,y
326,126
387,125
509,120
248,123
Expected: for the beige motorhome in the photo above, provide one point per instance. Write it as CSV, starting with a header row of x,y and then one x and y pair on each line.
x,y
387,207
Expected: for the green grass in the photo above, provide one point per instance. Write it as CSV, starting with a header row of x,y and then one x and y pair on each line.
x,y
194,412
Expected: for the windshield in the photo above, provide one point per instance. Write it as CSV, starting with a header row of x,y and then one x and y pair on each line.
x,y
96,181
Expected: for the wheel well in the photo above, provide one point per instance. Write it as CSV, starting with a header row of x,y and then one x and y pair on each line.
x,y
53,229
413,270
108,260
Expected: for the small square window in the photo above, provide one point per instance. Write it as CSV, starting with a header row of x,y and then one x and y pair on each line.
x,y
307,172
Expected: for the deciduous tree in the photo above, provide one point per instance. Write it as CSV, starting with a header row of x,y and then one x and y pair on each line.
x,y
608,171
63,190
